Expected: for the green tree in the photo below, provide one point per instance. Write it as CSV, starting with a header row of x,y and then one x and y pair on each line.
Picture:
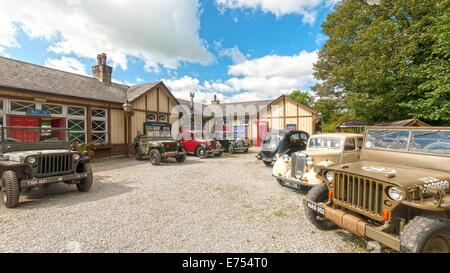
x,y
302,97
387,62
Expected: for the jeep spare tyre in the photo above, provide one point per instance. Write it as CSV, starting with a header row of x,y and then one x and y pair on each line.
x,y
155,157
318,194
10,189
85,184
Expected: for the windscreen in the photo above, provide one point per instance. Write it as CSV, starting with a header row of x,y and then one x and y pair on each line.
x,y
324,143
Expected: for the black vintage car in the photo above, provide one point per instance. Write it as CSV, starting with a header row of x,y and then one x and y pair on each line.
x,y
279,142
233,146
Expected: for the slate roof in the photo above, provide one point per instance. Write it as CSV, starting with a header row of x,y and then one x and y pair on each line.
x,y
135,92
26,76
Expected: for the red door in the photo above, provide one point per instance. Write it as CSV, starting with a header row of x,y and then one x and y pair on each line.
x,y
262,132
22,134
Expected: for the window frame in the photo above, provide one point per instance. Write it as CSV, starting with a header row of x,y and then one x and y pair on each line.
x,y
103,119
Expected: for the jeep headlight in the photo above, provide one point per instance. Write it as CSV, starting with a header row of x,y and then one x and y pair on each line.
x,y
31,159
395,193
329,176
76,157
286,158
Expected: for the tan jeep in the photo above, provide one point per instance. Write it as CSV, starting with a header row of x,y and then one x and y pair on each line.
x,y
397,193
302,169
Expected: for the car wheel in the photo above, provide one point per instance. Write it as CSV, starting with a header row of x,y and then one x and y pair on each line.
x,y
139,154
10,189
319,194
201,152
182,157
267,163
426,234
231,149
86,183
155,157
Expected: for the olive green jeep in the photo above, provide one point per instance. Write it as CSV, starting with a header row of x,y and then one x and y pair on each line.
x,y
34,158
397,194
157,144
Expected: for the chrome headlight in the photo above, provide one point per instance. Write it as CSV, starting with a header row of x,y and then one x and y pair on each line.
x,y
329,176
309,161
76,157
31,159
286,158
395,193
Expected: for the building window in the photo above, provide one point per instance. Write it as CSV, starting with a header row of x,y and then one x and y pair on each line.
x,y
76,122
76,111
99,126
22,106
53,109
151,117
162,118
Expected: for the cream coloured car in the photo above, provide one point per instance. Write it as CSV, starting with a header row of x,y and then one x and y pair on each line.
x,y
302,169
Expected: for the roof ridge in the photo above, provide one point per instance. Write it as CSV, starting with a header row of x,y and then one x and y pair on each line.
x,y
58,70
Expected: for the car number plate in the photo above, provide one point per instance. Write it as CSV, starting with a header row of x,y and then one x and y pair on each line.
x,y
291,185
316,208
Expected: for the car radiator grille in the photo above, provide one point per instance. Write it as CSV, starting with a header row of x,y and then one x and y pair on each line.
x,y
171,147
298,164
48,165
360,194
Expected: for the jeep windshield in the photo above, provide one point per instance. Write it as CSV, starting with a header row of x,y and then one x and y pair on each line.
x,y
323,142
33,138
417,141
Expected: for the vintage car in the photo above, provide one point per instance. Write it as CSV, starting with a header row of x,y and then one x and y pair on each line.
x,y
233,146
302,169
157,144
194,144
397,194
279,142
33,158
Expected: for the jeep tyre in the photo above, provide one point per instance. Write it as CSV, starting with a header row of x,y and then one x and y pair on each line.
x,y
318,194
426,234
86,183
182,157
201,152
138,154
10,189
155,157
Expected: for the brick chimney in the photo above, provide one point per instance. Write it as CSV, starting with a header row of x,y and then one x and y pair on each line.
x,y
215,100
102,71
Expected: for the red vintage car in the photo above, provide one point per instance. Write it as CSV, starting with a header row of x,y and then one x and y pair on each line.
x,y
200,147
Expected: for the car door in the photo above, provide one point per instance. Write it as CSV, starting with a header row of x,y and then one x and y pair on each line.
x,y
296,141
351,151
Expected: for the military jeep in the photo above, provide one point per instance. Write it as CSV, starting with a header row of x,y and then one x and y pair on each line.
x,y
33,158
397,194
157,144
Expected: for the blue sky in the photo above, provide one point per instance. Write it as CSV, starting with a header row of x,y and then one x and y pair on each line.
x,y
237,49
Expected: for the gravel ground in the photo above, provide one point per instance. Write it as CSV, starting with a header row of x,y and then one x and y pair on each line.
x,y
227,204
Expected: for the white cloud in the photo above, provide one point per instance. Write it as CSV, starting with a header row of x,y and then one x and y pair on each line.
x,y
260,78
159,32
307,9
234,53
67,64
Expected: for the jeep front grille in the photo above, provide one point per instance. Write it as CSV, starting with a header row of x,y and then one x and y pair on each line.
x,y
171,147
359,194
298,164
56,164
